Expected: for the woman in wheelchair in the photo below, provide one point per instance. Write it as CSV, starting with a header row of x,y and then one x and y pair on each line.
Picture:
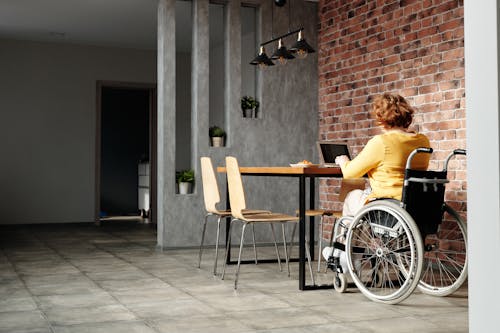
x,y
383,158
410,239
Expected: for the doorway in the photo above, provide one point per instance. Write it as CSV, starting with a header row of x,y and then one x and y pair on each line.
x,y
125,152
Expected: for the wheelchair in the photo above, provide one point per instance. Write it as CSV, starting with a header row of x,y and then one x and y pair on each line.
x,y
392,247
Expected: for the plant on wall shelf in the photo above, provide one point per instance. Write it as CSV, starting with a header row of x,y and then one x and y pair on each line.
x,y
185,179
216,135
249,106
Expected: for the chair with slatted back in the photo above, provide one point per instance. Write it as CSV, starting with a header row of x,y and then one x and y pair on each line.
x,y
238,206
212,198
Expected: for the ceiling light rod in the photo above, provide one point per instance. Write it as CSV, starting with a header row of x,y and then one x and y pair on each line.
x,y
282,36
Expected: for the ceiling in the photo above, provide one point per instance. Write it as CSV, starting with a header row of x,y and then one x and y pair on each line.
x,y
115,23
118,23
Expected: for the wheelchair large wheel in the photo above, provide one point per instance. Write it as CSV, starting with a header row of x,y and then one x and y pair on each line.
x,y
445,257
384,252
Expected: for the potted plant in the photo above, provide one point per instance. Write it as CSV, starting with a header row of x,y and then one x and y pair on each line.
x,y
185,179
249,106
217,135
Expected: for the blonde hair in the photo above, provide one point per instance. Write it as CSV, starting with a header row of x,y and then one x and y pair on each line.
x,y
392,111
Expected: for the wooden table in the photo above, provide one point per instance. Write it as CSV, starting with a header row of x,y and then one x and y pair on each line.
x,y
301,173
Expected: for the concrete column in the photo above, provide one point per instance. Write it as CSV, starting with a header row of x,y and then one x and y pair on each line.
x,y
232,45
166,111
483,167
200,78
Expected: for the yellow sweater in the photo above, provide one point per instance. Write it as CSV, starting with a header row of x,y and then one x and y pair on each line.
x,y
384,160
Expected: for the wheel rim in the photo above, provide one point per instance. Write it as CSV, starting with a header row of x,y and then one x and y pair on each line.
x,y
445,260
386,235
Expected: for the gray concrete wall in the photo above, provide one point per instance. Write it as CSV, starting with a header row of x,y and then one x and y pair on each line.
x,y
285,132
48,125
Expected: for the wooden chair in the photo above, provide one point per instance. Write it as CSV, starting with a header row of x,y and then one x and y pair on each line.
x,y
211,197
346,186
238,206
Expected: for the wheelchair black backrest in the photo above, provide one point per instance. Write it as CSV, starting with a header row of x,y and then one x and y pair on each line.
x,y
423,198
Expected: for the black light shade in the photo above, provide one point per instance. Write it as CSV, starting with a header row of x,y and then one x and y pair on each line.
x,y
282,54
301,48
262,60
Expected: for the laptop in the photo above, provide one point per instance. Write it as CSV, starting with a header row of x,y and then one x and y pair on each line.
x,y
329,150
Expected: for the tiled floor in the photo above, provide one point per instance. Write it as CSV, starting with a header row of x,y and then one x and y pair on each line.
x,y
84,278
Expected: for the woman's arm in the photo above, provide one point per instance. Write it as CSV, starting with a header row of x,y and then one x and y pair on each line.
x,y
369,158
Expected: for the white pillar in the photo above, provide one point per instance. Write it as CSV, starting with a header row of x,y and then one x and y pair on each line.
x,y
483,199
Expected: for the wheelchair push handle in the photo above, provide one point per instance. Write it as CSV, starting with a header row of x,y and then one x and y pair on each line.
x,y
426,150
453,153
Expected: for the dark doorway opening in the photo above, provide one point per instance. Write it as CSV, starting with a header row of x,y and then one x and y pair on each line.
x,y
126,147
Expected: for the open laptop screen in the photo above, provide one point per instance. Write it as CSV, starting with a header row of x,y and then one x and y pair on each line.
x,y
329,150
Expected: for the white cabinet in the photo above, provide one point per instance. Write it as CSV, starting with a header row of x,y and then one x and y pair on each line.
x,y
143,172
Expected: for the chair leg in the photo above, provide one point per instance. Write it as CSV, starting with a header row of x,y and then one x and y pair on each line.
x,y
320,242
239,257
308,254
227,250
285,247
276,247
217,245
202,239
254,247
291,239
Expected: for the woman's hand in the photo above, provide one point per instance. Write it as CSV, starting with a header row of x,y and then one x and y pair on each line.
x,y
341,160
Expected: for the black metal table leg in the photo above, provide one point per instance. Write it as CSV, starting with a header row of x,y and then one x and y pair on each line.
x,y
302,232
312,192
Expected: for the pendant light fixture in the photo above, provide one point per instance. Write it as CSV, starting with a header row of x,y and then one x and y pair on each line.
x,y
301,48
262,60
282,54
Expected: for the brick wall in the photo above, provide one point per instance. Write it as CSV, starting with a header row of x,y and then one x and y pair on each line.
x,y
411,47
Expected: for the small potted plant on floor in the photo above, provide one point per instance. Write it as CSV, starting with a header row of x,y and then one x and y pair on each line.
x,y
217,135
185,179
249,106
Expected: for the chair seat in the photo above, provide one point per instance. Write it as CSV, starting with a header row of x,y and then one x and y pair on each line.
x,y
227,212
319,212
269,217
336,213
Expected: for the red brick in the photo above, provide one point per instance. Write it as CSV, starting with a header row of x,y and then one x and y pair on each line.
x,y
412,47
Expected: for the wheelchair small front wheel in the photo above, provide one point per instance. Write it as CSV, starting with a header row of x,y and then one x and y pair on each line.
x,y
340,282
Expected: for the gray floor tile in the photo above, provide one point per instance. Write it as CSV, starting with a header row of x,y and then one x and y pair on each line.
x,y
333,327
146,294
17,304
76,300
239,302
356,311
82,278
396,325
121,285
279,318
107,327
54,279
131,273
22,320
184,307
72,316
201,324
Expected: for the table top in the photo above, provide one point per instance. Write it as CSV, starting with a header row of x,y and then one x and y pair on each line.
x,y
288,170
